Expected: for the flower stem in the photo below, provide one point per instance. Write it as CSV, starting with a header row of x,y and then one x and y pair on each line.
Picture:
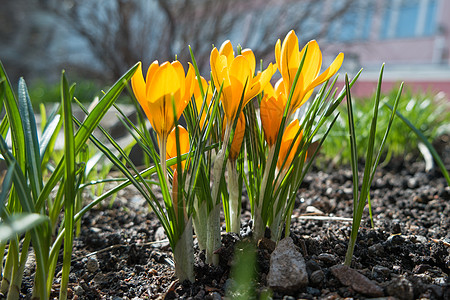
x,y
213,228
235,197
162,155
258,223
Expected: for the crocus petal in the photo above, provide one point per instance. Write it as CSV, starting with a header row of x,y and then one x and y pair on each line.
x,y
154,66
290,57
248,54
288,138
312,64
328,73
240,76
227,49
171,148
138,86
278,54
165,83
271,112
178,67
212,60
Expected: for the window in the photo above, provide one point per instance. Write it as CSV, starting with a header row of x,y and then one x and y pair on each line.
x,y
407,19
430,19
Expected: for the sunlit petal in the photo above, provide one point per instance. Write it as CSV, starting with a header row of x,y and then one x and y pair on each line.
x,y
227,49
248,54
271,112
154,66
138,86
165,82
286,147
171,148
332,69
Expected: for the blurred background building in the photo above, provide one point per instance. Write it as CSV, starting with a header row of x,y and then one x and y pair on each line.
x,y
99,40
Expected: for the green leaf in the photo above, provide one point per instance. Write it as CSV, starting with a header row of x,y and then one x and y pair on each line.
x,y
13,115
353,148
69,181
31,140
18,224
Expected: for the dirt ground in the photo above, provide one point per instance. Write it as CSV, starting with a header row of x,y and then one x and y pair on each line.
x,y
121,252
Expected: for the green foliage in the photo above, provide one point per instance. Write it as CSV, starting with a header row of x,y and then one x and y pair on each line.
x,y
27,206
428,113
43,92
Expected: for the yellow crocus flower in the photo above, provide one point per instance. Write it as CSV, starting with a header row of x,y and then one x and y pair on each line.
x,y
288,58
236,74
171,150
288,138
271,113
163,84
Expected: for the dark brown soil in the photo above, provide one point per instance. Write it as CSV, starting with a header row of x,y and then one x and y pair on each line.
x,y
119,253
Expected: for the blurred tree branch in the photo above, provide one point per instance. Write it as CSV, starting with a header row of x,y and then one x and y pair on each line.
x,y
122,32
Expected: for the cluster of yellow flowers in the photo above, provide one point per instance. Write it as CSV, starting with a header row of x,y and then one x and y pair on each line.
x,y
167,83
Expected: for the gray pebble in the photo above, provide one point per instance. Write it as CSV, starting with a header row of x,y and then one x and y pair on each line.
x,y
317,277
92,264
327,258
78,290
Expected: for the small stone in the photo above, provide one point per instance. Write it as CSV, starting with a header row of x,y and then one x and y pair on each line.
x,y
418,239
356,281
92,264
395,239
287,271
400,288
312,265
287,297
314,211
78,290
327,258
413,183
160,234
317,277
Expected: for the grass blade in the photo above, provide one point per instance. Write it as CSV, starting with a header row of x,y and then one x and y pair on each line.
x,y
69,181
353,149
